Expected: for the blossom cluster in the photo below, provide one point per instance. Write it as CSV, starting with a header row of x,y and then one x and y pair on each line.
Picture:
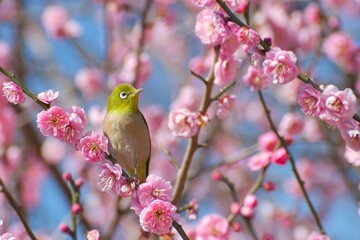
x,y
151,200
335,107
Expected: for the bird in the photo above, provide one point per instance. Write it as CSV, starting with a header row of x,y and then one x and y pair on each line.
x,y
127,131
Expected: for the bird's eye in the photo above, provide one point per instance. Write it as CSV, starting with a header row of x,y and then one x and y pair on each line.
x,y
123,95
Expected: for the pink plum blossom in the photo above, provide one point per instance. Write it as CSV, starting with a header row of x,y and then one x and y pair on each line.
x,y
353,157
183,123
230,48
192,211
246,35
337,104
157,217
350,132
154,188
8,236
125,187
89,81
204,3
213,227
93,146
280,66
108,176
93,235
340,47
13,93
56,22
226,103
255,79
291,124
211,28
48,96
317,236
279,157
259,161
268,141
127,73
52,121
225,71
53,151
75,129
309,100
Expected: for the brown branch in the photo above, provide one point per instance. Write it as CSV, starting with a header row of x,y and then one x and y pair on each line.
x,y
141,43
301,76
193,142
180,230
17,209
292,162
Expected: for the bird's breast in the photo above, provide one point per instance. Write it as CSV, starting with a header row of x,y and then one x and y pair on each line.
x,y
129,140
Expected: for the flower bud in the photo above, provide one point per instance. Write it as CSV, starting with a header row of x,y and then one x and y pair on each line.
x,y
67,176
235,208
216,175
236,227
65,229
250,201
76,208
268,186
79,182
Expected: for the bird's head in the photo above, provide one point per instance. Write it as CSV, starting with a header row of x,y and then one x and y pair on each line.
x,y
124,99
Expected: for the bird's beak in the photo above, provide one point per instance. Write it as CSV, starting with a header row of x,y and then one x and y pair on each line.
x,y
137,91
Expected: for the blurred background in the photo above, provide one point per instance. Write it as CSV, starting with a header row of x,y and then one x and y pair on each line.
x,y
84,48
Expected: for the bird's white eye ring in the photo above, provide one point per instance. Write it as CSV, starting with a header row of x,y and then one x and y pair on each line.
x,y
123,95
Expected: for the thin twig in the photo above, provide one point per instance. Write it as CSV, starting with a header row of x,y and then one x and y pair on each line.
x,y
292,162
17,209
141,43
180,230
29,131
12,77
259,180
224,90
198,76
171,157
235,198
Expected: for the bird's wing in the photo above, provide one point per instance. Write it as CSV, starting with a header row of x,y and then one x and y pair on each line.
x,y
148,160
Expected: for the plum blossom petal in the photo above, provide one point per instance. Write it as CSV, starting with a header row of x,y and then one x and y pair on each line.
x,y
211,27
52,121
93,147
157,217
13,93
48,96
108,176
154,188
280,66
213,226
309,100
183,123
337,104
226,103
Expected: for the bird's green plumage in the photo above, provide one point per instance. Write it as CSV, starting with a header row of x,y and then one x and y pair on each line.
x,y
127,131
